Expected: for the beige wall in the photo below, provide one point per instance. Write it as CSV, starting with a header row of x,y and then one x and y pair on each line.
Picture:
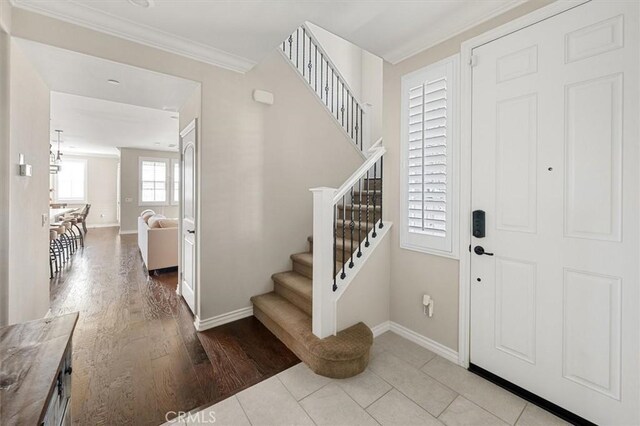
x,y
5,16
5,49
361,70
102,175
129,187
29,196
414,274
367,297
256,174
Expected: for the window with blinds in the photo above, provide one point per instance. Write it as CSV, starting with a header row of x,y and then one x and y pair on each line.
x,y
428,111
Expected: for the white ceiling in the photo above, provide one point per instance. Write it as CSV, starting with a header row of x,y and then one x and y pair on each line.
x,y
238,34
75,73
98,117
96,126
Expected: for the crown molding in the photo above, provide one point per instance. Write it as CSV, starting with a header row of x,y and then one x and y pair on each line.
x,y
398,55
97,20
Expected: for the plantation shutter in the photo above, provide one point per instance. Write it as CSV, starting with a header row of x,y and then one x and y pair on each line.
x,y
428,121
428,158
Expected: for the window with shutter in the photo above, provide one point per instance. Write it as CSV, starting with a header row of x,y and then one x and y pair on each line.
x,y
429,150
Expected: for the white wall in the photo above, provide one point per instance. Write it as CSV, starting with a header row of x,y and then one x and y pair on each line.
x,y
361,70
5,60
28,296
412,273
129,187
102,175
367,297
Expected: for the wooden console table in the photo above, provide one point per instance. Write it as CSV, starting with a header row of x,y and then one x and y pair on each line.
x,y
35,371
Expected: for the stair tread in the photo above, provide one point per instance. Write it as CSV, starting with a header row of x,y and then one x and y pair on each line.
x,y
339,241
305,258
360,206
348,344
295,282
363,223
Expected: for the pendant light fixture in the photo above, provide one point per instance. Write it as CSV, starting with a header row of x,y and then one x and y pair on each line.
x,y
59,154
55,159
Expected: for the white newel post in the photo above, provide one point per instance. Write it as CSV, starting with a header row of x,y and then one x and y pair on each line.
x,y
323,318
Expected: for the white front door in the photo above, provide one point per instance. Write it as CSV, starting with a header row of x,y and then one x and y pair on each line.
x,y
188,281
555,166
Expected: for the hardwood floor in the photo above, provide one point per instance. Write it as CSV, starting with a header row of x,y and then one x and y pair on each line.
x,y
136,353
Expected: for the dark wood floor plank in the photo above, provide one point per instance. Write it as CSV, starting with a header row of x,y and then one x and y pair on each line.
x,y
136,353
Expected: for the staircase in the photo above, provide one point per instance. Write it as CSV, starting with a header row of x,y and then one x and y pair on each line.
x,y
287,311
301,310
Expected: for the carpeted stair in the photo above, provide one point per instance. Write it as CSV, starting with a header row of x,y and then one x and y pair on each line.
x,y
287,310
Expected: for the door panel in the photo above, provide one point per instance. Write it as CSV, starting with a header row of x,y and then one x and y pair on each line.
x,y
555,154
516,166
593,205
188,284
592,342
515,308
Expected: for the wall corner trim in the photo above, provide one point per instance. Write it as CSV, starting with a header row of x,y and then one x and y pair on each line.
x,y
381,328
427,343
205,324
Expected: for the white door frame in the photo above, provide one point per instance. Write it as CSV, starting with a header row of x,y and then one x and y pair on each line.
x,y
466,79
191,126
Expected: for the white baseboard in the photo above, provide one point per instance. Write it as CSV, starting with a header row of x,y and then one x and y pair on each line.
x,y
127,232
103,225
208,323
435,347
381,328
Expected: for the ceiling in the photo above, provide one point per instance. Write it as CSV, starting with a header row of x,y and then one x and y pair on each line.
x,y
98,117
97,126
78,74
238,34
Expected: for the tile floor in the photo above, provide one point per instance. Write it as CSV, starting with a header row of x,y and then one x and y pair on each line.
x,y
405,384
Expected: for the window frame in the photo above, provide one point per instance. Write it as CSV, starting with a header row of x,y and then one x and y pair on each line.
x,y
56,184
175,201
449,246
166,162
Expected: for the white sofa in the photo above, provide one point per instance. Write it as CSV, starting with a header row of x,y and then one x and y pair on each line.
x,y
159,246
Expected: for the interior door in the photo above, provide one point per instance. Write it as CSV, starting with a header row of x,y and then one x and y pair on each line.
x,y
554,297
188,196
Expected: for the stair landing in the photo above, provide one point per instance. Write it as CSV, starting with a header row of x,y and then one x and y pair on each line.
x,y
341,356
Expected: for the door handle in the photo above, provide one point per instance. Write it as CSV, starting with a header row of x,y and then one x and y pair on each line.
x,y
191,231
479,250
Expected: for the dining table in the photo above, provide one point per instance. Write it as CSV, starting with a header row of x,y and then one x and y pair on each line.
x,y
55,214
